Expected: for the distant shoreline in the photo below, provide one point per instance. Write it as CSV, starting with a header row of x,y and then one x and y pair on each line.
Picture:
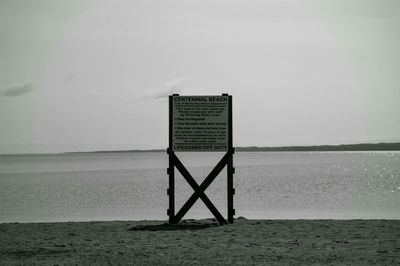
x,y
343,147
395,146
384,146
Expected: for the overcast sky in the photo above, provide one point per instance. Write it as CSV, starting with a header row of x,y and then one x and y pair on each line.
x,y
94,75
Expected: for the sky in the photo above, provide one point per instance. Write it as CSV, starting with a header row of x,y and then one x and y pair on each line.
x,y
85,75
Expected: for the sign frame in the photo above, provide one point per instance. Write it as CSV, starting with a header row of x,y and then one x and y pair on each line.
x,y
174,162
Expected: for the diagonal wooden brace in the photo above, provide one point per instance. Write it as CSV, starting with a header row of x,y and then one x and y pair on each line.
x,y
199,190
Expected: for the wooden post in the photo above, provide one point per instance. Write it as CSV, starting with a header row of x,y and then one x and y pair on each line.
x,y
230,169
171,169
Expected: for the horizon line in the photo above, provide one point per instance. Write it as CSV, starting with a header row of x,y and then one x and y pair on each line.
x,y
364,146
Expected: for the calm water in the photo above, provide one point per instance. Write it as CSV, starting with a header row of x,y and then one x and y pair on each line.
x,y
80,187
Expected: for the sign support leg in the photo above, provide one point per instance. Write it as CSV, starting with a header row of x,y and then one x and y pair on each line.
x,y
230,169
171,170
171,187
231,190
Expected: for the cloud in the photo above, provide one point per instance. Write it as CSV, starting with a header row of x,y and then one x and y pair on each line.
x,y
169,87
16,91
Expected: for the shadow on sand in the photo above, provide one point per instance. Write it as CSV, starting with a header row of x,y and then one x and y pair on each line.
x,y
184,225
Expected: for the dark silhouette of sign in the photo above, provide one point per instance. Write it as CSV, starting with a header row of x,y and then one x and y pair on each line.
x,y
201,124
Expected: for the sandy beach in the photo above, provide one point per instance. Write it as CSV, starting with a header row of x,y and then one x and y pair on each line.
x,y
201,242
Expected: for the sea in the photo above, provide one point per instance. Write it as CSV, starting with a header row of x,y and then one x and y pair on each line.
x,y
133,186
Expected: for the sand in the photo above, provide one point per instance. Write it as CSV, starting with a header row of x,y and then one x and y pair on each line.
x,y
202,242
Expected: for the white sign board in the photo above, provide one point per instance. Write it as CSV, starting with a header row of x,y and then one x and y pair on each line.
x,y
200,123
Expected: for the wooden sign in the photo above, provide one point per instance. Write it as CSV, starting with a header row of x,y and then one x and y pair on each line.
x,y
200,123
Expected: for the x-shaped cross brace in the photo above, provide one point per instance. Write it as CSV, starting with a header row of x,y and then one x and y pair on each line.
x,y
199,189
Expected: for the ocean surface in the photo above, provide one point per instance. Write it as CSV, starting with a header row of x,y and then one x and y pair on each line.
x,y
133,186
